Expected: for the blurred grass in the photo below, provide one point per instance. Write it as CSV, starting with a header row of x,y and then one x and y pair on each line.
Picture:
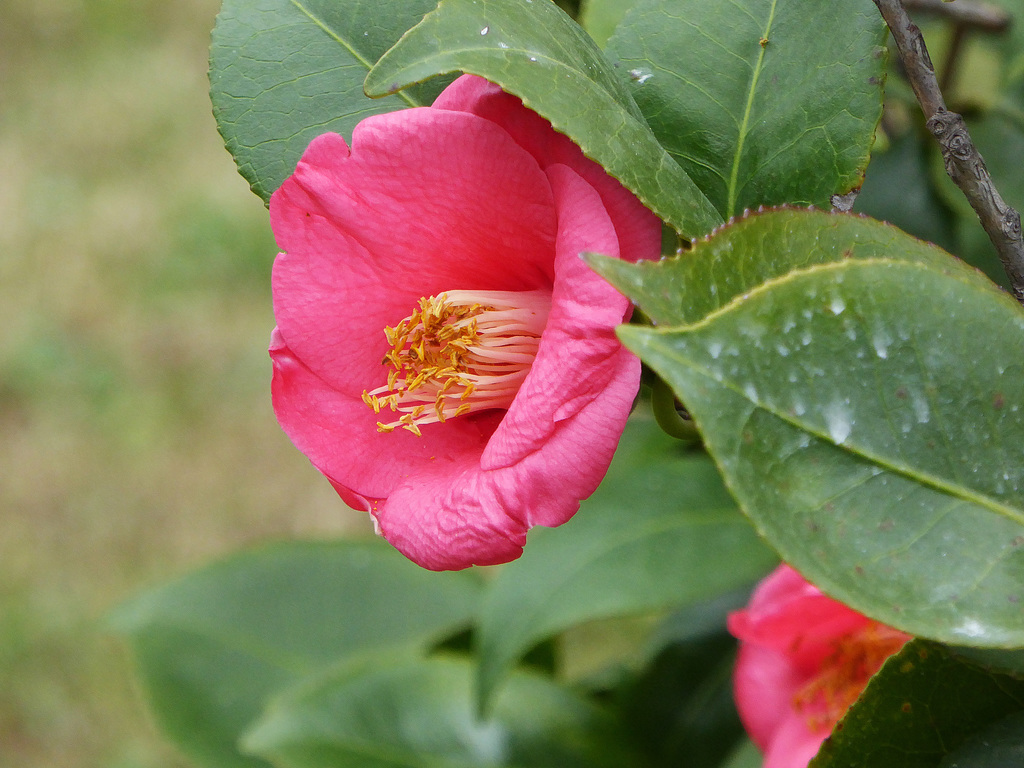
x,y
136,434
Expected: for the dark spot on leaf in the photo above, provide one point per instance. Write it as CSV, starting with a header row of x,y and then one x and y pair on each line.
x,y
839,727
872,80
901,393
923,653
830,506
998,401
1018,541
859,570
887,525
393,88
906,707
848,253
906,666
748,437
1013,599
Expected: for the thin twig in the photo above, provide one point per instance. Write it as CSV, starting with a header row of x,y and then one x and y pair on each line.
x,y
981,15
956,45
964,164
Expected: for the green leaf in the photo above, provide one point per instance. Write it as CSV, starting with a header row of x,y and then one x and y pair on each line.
x,y
285,71
762,102
922,706
533,50
660,531
998,746
213,646
1006,661
386,713
750,252
852,432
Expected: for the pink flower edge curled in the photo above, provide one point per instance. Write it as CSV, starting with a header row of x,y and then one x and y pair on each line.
x,y
479,201
804,658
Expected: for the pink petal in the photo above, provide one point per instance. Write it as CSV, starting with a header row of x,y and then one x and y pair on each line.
x,y
426,201
764,684
791,615
638,230
794,744
574,362
338,433
451,516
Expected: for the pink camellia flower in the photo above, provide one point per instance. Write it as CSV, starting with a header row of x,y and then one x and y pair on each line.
x,y
804,659
442,354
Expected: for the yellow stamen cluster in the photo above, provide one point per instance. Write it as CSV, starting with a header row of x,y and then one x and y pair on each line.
x,y
459,352
845,672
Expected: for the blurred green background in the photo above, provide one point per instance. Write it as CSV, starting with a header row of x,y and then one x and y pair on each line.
x,y
137,439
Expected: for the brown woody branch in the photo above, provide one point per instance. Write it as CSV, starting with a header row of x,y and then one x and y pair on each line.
x,y
981,15
964,164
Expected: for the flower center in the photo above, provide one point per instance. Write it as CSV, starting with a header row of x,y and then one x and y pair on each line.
x,y
457,353
824,699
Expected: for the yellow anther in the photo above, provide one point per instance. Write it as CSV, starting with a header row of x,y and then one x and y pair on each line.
x,y
457,353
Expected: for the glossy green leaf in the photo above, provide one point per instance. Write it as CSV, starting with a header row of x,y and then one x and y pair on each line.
x,y
851,431
285,71
385,713
212,647
920,708
660,531
762,102
750,252
532,49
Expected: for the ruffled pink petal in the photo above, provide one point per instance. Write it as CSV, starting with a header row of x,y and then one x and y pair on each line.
x,y
573,364
449,517
779,587
764,684
573,461
338,433
791,615
638,230
427,200
447,520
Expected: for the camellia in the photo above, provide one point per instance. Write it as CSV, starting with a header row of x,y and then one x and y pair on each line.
x,y
804,659
442,354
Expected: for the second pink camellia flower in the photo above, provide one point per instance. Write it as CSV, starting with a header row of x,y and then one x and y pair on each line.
x,y
442,354
804,659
